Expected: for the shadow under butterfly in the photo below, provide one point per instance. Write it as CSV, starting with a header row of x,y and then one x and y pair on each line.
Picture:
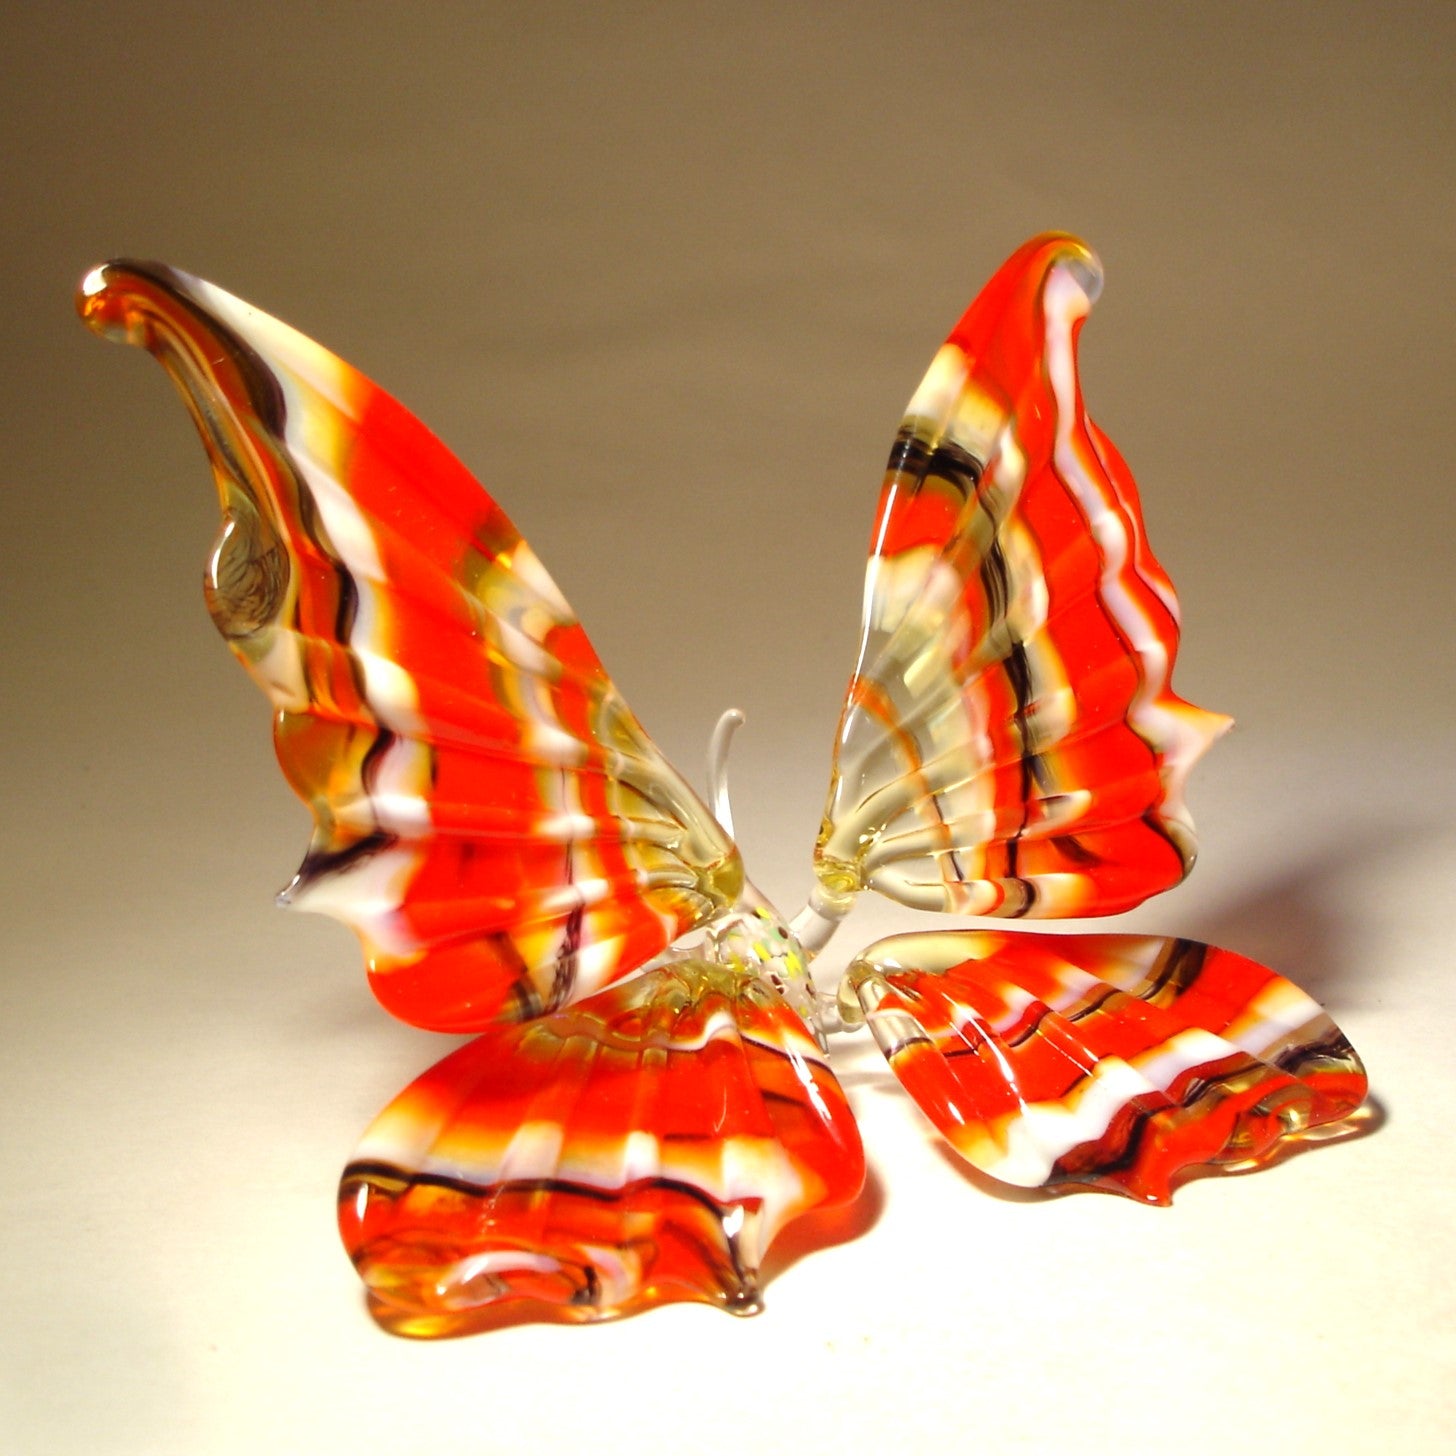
x,y
651,1101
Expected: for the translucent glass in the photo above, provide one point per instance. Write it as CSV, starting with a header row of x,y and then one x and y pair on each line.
x,y
651,1102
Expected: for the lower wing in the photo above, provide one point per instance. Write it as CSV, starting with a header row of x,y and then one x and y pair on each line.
x,y
1122,1062
645,1145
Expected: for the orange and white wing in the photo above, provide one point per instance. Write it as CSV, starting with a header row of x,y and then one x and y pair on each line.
x,y
643,1146
1011,743
490,816
1121,1062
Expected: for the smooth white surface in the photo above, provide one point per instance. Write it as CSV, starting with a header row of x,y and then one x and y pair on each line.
x,y
666,283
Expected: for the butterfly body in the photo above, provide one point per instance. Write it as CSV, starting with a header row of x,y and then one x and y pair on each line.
x,y
649,1101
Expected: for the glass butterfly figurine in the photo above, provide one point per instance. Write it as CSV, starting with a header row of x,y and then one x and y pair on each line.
x,y
650,1101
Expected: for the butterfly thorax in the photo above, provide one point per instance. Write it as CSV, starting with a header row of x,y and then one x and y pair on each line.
x,y
752,938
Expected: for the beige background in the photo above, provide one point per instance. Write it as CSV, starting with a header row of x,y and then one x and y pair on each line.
x,y
665,278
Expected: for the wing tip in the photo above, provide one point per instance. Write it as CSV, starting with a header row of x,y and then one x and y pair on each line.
x,y
107,295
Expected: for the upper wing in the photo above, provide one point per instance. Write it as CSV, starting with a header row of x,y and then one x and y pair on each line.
x,y
491,818
1010,743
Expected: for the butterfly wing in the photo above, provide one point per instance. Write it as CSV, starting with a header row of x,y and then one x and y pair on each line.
x,y
490,816
642,1146
1108,1061
1010,743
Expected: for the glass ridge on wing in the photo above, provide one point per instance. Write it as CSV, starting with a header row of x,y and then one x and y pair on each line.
x,y
1010,743
490,816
